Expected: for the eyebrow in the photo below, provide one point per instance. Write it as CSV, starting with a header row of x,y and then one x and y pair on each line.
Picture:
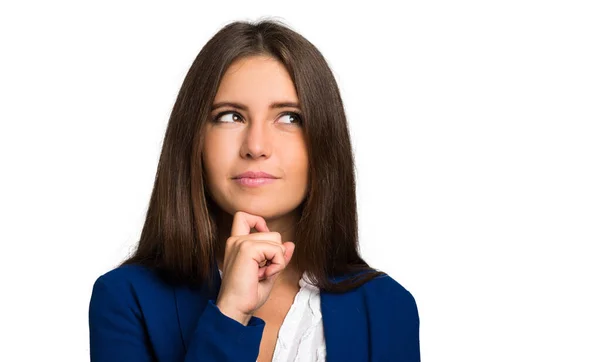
x,y
243,107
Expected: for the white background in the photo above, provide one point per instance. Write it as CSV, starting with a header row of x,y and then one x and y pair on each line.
x,y
477,138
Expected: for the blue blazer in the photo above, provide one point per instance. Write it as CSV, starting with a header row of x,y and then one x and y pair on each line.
x,y
135,316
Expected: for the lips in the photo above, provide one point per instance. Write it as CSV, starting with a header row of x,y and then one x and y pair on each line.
x,y
254,182
255,174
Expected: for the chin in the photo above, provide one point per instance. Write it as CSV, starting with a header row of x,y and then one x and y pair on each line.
x,y
265,209
266,212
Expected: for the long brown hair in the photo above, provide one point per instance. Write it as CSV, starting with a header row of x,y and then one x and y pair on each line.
x,y
179,238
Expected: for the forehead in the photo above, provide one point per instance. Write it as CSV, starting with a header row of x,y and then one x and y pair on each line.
x,y
256,81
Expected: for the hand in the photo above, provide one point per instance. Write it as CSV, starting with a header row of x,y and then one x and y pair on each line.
x,y
251,264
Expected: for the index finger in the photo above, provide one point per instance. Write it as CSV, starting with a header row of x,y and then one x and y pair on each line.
x,y
243,222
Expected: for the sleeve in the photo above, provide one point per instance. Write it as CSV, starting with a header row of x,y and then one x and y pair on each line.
x,y
221,338
118,332
116,327
407,347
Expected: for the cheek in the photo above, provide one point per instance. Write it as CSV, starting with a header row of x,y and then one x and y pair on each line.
x,y
215,156
297,161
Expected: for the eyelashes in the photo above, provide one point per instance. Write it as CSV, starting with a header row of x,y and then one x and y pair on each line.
x,y
297,116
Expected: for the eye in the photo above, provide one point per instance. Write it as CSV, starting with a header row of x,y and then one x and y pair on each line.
x,y
295,116
236,116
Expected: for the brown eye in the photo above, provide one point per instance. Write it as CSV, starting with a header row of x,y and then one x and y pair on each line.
x,y
235,117
293,117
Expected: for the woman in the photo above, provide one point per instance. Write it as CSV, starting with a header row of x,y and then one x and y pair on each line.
x,y
257,141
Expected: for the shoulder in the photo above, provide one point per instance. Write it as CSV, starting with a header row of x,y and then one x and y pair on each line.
x,y
128,285
386,296
393,319
125,275
132,315
385,285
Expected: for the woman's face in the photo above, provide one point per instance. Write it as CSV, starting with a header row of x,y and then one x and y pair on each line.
x,y
259,138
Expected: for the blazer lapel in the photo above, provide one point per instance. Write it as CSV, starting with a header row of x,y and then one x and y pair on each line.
x,y
345,326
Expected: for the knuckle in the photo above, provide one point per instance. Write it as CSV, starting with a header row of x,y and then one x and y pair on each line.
x,y
245,245
230,240
275,236
239,215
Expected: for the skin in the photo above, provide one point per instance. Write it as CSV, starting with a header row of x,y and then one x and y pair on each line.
x,y
258,139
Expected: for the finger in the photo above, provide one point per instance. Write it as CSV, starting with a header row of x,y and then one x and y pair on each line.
x,y
249,242
243,222
270,236
261,273
263,251
289,251
287,256
273,270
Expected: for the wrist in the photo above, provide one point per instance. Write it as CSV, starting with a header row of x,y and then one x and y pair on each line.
x,y
234,314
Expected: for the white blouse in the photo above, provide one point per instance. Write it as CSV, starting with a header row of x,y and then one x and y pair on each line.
x,y
300,337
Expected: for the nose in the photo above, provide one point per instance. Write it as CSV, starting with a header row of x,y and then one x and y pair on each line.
x,y
257,141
